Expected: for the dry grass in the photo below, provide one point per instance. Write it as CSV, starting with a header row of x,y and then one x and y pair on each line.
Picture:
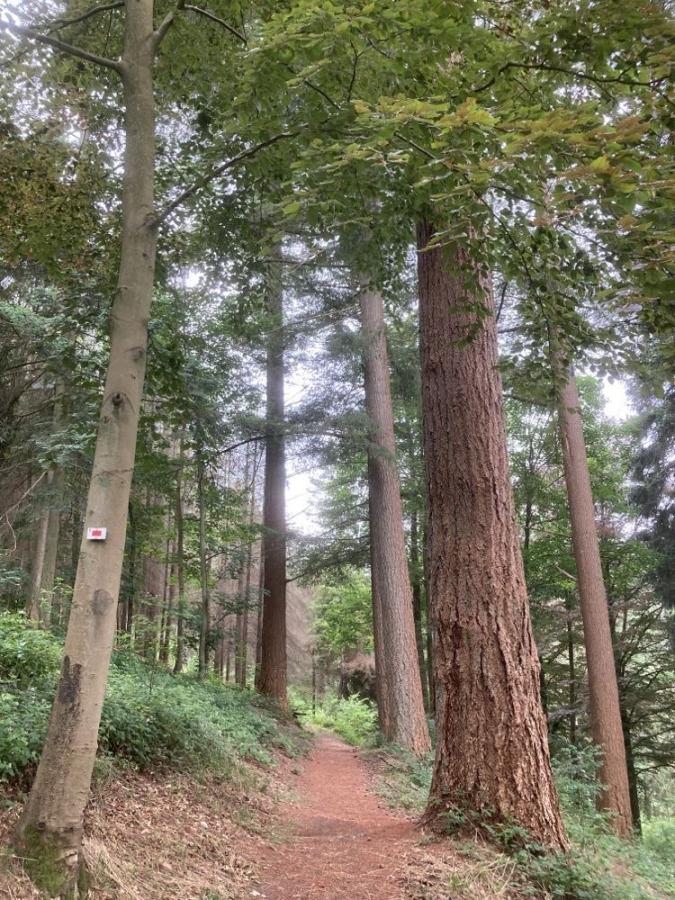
x,y
162,837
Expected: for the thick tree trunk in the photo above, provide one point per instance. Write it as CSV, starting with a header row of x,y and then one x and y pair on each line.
x,y
272,674
416,581
492,758
407,720
50,830
602,683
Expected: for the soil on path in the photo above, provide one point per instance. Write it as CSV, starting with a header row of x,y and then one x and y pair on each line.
x,y
343,842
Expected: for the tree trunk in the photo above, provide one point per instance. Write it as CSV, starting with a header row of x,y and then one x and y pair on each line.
x,y
34,610
180,570
204,622
272,674
240,635
381,680
605,710
492,759
247,589
50,830
416,582
259,616
407,721
571,669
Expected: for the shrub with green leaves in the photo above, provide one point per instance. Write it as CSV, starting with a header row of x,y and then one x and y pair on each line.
x,y
149,718
354,719
27,653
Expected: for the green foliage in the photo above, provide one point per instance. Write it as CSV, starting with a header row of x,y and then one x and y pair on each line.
x,y
353,719
27,654
149,718
344,615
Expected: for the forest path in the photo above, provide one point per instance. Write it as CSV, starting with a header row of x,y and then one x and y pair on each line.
x,y
343,842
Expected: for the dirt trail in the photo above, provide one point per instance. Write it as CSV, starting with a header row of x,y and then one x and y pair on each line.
x,y
343,842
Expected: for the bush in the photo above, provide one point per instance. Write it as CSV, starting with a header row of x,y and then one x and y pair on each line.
x,y
28,654
149,717
353,719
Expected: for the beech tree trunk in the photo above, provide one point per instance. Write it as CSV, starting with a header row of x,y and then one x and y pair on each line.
x,y
407,724
492,757
50,830
271,678
605,711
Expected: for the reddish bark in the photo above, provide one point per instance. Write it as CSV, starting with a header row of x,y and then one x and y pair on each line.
x,y
492,758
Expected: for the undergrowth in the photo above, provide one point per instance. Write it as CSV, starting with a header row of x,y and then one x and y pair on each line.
x,y
599,866
353,719
150,718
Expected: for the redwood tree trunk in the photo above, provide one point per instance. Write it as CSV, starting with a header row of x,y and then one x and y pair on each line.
x,y
602,683
271,678
407,724
51,826
492,758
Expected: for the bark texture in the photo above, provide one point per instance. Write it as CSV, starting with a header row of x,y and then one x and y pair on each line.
x,y
492,758
605,710
271,677
406,723
51,826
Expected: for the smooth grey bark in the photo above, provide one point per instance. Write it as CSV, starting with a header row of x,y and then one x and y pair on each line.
x,y
50,830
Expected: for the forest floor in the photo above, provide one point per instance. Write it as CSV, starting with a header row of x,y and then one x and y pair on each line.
x,y
342,842
310,828
339,840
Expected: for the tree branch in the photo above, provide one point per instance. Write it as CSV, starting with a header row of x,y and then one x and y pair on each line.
x,y
168,21
58,24
70,49
209,15
217,172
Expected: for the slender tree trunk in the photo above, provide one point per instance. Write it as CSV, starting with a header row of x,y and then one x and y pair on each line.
x,y
407,723
381,678
240,636
247,590
51,826
602,683
416,581
492,758
168,619
272,674
180,570
571,669
259,616
203,571
34,611
430,629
